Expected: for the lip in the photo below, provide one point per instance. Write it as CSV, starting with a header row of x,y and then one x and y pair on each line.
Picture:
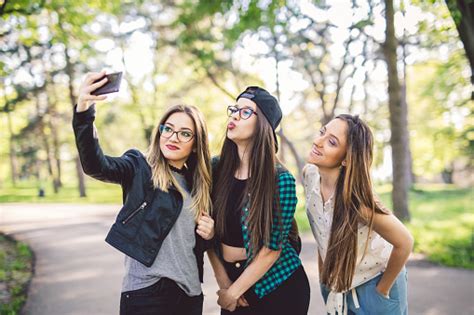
x,y
172,147
316,151
231,126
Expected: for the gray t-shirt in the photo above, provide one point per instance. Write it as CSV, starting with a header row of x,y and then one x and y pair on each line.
x,y
175,260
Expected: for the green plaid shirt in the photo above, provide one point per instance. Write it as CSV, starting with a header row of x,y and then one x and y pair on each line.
x,y
288,261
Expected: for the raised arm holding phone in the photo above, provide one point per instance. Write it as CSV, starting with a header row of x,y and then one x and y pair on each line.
x,y
165,218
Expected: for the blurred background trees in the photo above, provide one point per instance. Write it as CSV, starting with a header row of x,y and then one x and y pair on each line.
x,y
404,66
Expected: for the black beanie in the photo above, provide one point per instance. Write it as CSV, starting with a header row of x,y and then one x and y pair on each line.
x,y
267,104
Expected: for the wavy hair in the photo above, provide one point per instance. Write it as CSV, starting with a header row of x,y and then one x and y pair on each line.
x,y
198,164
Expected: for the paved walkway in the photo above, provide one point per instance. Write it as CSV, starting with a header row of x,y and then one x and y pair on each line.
x,y
76,272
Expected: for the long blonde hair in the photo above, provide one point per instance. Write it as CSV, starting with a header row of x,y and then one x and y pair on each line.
x,y
198,163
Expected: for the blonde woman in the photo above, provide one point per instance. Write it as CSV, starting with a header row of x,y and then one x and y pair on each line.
x,y
165,216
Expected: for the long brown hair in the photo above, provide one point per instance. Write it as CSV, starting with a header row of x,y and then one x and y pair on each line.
x,y
353,193
198,163
261,185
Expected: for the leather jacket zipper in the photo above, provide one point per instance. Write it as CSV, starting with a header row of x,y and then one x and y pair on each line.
x,y
143,205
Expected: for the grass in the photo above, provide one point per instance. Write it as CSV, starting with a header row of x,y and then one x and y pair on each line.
x,y
97,192
443,224
442,215
15,274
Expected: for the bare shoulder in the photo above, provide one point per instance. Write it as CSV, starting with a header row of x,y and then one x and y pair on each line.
x,y
366,214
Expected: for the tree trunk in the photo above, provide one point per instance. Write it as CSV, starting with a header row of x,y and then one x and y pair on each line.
x,y
13,161
398,120
56,147
46,146
79,170
404,100
462,12
404,104
53,126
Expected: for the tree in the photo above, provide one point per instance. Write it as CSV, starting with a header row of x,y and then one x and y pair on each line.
x,y
462,12
398,120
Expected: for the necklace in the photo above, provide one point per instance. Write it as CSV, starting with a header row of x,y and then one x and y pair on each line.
x,y
177,170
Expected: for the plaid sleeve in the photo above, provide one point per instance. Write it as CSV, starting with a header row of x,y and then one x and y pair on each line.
x,y
288,200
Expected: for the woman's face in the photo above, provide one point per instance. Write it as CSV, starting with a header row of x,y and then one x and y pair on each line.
x,y
177,139
330,145
239,130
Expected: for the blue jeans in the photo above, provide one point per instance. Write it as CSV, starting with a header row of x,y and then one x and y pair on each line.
x,y
371,302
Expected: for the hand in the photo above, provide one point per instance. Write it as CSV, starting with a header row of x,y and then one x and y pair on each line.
x,y
205,227
85,99
383,292
226,301
224,283
242,302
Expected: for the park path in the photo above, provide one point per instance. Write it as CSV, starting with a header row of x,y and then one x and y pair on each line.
x,y
76,272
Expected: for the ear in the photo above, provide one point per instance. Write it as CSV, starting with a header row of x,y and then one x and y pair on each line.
x,y
344,163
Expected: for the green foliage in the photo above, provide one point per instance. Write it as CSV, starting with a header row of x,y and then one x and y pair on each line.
x,y
438,92
22,7
15,272
439,117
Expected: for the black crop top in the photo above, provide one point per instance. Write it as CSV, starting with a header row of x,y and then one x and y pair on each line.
x,y
233,213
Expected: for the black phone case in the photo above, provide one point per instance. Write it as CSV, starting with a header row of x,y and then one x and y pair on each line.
x,y
112,85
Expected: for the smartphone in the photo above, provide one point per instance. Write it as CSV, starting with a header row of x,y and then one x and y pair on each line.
x,y
112,85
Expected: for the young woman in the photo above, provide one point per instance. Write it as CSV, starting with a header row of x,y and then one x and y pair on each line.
x,y
257,269
166,194
362,247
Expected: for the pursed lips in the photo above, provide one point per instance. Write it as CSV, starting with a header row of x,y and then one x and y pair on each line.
x,y
231,125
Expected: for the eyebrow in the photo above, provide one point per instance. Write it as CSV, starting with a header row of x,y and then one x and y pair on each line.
x,y
170,124
245,106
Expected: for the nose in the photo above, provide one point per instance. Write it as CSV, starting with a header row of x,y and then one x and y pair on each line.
x,y
174,137
318,141
235,115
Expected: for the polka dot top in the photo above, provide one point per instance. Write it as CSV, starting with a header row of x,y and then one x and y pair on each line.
x,y
320,217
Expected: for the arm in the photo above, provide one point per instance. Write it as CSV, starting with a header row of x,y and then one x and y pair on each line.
x,y
220,274
93,161
270,252
394,232
259,266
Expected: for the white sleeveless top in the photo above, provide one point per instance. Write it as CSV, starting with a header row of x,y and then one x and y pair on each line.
x,y
320,217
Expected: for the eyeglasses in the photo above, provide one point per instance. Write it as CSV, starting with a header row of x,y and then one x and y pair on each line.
x,y
244,112
182,135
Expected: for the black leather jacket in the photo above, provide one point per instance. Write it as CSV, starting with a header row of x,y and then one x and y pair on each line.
x,y
147,214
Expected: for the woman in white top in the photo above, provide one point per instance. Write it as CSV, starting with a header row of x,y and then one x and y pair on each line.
x,y
362,247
